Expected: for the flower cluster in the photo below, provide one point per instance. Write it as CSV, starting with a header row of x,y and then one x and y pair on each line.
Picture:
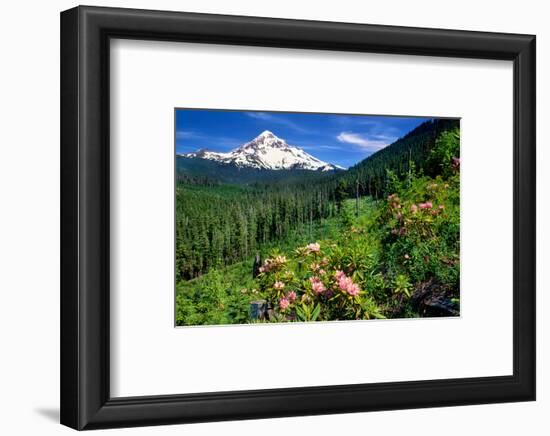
x,y
278,285
428,207
415,217
273,264
286,300
313,248
323,284
317,285
346,284
284,303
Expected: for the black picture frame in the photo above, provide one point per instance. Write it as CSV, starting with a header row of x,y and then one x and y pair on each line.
x,y
85,399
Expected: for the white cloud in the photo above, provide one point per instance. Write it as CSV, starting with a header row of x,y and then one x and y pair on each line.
x,y
317,147
260,115
373,143
186,134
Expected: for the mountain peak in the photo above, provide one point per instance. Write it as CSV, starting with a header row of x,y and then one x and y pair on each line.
x,y
269,152
266,138
266,133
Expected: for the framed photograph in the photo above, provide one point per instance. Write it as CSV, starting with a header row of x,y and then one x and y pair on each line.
x,y
266,217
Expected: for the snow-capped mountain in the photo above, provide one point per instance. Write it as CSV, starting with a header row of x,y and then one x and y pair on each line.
x,y
269,152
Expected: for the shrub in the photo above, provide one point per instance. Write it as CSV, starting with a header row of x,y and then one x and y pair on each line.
x,y
319,284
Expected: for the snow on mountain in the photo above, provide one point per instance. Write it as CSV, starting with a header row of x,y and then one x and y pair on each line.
x,y
267,151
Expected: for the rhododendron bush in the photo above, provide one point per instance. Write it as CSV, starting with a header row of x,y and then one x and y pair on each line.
x,y
316,284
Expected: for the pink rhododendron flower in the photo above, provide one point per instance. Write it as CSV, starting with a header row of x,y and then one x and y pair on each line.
x,y
353,289
427,205
317,285
322,272
414,208
346,284
291,296
278,285
284,303
313,247
441,206
339,274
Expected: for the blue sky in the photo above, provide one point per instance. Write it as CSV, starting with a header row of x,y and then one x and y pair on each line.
x,y
339,139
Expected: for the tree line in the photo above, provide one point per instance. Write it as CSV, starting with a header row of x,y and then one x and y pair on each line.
x,y
221,225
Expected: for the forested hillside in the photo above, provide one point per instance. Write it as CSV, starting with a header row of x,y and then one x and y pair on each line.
x,y
412,153
222,224
378,240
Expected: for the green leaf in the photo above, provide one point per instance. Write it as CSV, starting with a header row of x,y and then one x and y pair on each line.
x,y
316,312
